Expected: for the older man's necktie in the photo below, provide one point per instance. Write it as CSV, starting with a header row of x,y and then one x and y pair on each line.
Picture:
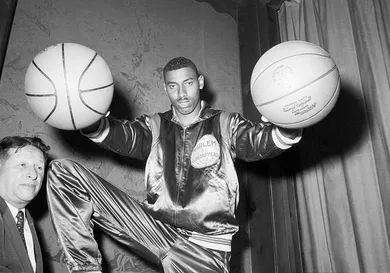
x,y
20,225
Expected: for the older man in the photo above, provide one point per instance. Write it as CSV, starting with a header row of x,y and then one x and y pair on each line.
x,y
22,168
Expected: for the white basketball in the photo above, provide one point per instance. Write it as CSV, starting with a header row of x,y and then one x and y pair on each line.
x,y
295,84
69,86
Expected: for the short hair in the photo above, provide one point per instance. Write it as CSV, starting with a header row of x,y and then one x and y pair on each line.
x,y
179,62
19,142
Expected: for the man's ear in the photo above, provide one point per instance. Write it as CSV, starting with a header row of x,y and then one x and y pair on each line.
x,y
165,87
201,81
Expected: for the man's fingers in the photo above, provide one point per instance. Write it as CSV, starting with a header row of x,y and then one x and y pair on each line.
x,y
264,119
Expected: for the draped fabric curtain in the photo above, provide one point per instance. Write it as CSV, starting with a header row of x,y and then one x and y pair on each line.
x,y
343,181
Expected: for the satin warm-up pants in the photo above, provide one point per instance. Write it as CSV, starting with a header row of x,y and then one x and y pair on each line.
x,y
78,199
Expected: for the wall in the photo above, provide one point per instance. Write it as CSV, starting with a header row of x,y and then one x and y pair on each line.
x,y
7,8
136,38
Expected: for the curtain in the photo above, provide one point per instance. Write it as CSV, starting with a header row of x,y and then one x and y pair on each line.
x,y
343,180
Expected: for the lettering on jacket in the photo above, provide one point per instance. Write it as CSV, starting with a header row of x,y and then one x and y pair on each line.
x,y
206,152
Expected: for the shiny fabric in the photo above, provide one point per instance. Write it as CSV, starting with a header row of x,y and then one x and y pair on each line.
x,y
79,199
182,186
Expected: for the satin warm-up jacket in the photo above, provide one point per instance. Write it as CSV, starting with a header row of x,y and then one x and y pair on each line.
x,y
190,175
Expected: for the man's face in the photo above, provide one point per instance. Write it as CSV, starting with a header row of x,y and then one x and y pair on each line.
x,y
21,175
183,88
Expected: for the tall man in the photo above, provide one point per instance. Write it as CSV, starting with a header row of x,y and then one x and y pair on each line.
x,y
22,168
187,221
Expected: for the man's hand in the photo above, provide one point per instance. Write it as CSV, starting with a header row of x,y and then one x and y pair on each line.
x,y
91,128
94,126
264,119
290,133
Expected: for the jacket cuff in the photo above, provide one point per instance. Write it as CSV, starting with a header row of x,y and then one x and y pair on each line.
x,y
101,132
282,141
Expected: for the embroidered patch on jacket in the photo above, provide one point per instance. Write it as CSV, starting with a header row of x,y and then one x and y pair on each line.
x,y
206,152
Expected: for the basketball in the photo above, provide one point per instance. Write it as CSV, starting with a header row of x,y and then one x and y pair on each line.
x,y
69,86
295,84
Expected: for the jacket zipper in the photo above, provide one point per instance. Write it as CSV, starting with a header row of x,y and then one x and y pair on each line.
x,y
181,169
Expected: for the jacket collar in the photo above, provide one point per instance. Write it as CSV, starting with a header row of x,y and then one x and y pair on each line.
x,y
205,113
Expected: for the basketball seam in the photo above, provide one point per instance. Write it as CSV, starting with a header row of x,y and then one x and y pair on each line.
x,y
90,90
300,54
330,99
95,89
299,88
46,95
67,87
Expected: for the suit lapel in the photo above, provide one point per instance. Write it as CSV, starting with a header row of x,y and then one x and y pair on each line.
x,y
20,249
37,248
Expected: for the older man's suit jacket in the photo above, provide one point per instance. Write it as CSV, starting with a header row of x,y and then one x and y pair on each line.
x,y
13,254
